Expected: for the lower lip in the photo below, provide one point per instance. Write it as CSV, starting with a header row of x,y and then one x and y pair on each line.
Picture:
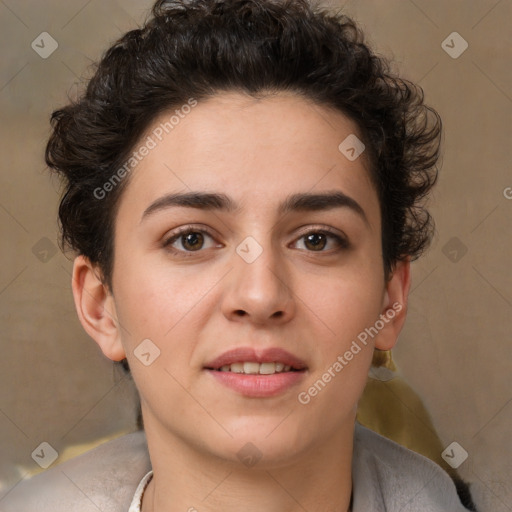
x,y
258,386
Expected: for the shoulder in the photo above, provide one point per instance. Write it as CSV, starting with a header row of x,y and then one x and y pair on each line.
x,y
104,478
388,476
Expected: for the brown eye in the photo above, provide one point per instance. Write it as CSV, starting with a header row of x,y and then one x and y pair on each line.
x,y
319,240
192,241
187,241
315,241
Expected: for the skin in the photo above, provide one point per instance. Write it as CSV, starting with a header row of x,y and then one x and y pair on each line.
x,y
310,300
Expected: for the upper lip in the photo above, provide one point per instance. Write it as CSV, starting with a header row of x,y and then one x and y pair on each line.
x,y
268,355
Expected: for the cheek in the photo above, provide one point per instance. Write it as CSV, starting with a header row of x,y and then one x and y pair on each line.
x,y
158,306
346,305
155,300
170,307
346,301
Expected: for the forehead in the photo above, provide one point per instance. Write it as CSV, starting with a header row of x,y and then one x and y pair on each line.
x,y
258,151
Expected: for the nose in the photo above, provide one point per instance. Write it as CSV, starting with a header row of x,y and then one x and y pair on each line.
x,y
259,291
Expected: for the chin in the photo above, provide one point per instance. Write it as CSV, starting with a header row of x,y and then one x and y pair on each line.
x,y
269,439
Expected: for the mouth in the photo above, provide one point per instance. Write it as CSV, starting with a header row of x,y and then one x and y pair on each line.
x,y
250,361
256,374
255,368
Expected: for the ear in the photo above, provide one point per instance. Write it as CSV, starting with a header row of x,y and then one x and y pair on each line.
x,y
96,308
394,305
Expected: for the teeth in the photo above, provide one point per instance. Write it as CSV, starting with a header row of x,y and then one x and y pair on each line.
x,y
267,368
237,367
253,368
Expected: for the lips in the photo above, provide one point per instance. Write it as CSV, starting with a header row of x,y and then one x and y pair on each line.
x,y
255,373
248,354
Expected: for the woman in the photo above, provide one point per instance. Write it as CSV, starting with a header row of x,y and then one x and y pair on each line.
x,y
244,186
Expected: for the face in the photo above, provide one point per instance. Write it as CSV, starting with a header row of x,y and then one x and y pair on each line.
x,y
258,271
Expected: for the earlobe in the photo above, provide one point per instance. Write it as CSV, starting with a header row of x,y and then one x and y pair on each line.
x,y
394,307
96,308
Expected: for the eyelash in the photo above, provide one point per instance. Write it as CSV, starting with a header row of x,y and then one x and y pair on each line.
x,y
342,242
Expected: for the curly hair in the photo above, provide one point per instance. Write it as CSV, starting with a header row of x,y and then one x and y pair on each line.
x,y
197,48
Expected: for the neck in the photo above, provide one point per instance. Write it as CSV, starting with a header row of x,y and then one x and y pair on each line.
x,y
187,478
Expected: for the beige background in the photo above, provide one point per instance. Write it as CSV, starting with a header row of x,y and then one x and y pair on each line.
x,y
455,349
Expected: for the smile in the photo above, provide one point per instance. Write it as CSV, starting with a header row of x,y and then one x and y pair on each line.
x,y
254,373
254,368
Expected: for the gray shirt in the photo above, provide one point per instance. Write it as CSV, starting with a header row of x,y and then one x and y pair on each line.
x,y
386,478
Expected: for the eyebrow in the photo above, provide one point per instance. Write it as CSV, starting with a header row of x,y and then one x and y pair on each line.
x,y
218,201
